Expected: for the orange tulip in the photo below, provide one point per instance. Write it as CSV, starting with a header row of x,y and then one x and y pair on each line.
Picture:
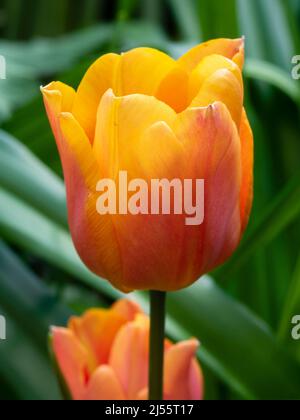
x,y
104,356
156,118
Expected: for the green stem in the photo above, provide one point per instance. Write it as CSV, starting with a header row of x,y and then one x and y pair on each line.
x,y
157,337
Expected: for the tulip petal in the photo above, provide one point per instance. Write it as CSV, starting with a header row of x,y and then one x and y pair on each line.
x,y
104,385
96,330
133,134
73,361
99,77
125,75
141,71
183,379
128,309
160,153
121,122
246,137
173,90
146,240
222,86
213,147
207,67
58,98
230,48
143,395
93,236
129,356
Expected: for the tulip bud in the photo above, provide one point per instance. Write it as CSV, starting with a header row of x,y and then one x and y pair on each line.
x,y
104,356
144,114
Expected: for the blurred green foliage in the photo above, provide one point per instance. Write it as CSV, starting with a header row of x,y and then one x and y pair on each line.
x,y
242,314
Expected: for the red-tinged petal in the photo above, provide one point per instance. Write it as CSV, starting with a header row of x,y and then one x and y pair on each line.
x,y
146,240
160,153
182,375
230,48
58,98
73,360
128,309
93,236
213,149
143,395
129,356
246,137
206,68
104,385
124,142
222,86
97,329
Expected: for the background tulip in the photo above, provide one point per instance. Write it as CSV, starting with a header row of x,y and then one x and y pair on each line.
x,y
104,356
155,117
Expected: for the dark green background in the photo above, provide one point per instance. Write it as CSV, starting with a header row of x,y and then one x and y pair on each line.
x,y
242,313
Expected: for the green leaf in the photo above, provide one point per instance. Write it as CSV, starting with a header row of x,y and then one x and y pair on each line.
x,y
29,307
218,19
35,133
139,34
291,308
26,62
278,216
14,11
22,173
258,19
271,74
186,17
126,9
252,28
25,227
152,10
29,62
24,367
25,297
234,322
236,344
51,17
47,56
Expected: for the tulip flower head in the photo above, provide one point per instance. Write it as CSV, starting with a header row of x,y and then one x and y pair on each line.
x,y
104,356
156,118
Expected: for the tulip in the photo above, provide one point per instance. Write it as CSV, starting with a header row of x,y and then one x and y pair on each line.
x,y
104,356
156,118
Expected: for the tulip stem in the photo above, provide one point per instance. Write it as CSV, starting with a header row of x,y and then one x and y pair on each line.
x,y
157,337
